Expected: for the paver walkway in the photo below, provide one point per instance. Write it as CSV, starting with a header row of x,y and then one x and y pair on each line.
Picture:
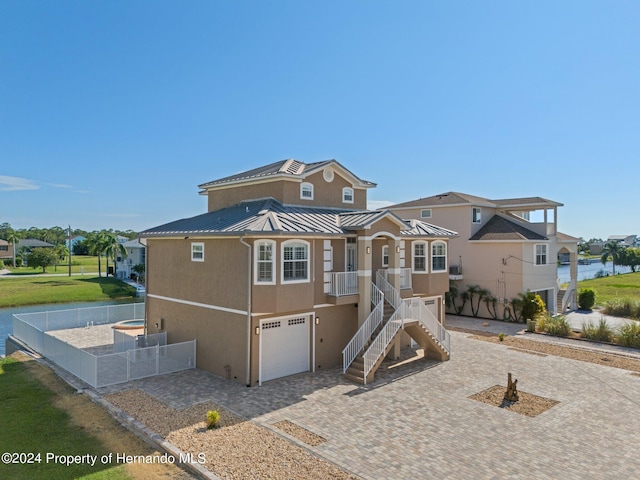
x,y
418,422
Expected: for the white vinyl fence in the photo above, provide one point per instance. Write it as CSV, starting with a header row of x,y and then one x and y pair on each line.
x,y
128,362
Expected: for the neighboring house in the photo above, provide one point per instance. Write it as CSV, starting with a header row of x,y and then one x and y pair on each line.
x,y
595,248
6,250
135,255
75,239
286,266
624,240
506,246
27,244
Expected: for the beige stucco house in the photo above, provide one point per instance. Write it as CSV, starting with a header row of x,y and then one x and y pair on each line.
x,y
506,246
288,272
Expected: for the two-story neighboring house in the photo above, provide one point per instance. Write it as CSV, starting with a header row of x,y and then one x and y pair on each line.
x,y
505,246
6,250
288,272
135,256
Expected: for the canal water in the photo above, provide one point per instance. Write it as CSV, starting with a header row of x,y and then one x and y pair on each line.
x,y
6,314
587,272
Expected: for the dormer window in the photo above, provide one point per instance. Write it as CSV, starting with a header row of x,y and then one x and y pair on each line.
x,y
476,216
306,191
347,195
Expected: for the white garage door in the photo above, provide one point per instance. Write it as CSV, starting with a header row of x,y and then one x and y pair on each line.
x,y
284,346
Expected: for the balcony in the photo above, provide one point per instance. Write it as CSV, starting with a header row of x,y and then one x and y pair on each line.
x,y
342,284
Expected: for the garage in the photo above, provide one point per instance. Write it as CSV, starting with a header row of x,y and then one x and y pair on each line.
x,y
284,346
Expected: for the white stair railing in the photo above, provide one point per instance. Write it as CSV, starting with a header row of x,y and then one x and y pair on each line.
x,y
355,346
419,311
384,338
390,293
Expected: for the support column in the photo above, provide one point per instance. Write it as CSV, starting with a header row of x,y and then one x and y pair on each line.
x,y
394,264
364,278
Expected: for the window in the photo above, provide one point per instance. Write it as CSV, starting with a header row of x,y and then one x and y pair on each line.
x,y
419,257
306,191
425,213
264,272
197,252
477,215
295,261
541,254
385,256
347,195
438,257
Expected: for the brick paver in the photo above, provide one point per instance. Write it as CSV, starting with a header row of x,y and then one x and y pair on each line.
x,y
417,421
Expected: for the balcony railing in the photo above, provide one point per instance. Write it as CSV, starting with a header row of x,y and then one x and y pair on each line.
x,y
343,283
405,277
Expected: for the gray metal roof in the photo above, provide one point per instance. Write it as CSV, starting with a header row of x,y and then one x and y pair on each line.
x,y
271,216
284,168
420,228
33,243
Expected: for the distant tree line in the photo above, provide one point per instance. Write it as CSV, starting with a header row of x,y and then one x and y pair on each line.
x,y
103,243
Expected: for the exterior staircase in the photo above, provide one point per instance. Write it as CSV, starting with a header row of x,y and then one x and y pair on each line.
x,y
396,316
559,299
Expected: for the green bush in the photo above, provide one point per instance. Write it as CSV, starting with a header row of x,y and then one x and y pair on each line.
x,y
532,305
601,332
629,335
557,325
624,307
586,298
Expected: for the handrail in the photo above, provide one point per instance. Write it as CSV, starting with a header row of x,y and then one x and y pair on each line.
x,y
355,346
390,293
566,297
420,312
384,338
413,309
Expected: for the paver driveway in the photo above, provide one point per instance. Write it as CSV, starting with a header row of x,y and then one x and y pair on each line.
x,y
418,421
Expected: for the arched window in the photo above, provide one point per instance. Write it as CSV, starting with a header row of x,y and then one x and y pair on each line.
x,y
306,191
295,261
265,255
420,257
347,195
439,257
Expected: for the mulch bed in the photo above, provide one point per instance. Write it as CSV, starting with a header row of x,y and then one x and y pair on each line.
x,y
528,403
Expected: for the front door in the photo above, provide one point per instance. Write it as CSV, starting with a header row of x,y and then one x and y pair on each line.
x,y
352,257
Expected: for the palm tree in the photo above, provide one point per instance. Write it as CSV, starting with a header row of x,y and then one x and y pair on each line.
x,y
95,246
13,238
112,248
614,250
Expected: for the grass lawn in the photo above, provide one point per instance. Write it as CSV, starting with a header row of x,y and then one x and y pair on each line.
x,y
78,262
614,287
30,423
15,292
41,414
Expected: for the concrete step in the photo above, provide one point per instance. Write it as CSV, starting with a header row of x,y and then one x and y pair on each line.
x,y
354,378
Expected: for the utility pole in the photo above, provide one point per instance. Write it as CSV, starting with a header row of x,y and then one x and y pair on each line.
x,y
69,250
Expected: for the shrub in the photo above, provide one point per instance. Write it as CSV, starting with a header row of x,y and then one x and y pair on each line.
x,y
501,337
213,419
586,298
624,307
601,332
557,325
629,335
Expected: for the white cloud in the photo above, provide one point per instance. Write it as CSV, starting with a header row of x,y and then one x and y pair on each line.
x,y
59,185
11,184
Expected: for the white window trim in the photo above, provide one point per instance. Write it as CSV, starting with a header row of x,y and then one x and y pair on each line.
x,y
435,244
346,190
426,257
282,260
473,209
197,244
385,247
425,213
256,262
304,185
535,254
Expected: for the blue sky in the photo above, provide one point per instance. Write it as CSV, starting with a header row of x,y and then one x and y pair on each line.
x,y
112,112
